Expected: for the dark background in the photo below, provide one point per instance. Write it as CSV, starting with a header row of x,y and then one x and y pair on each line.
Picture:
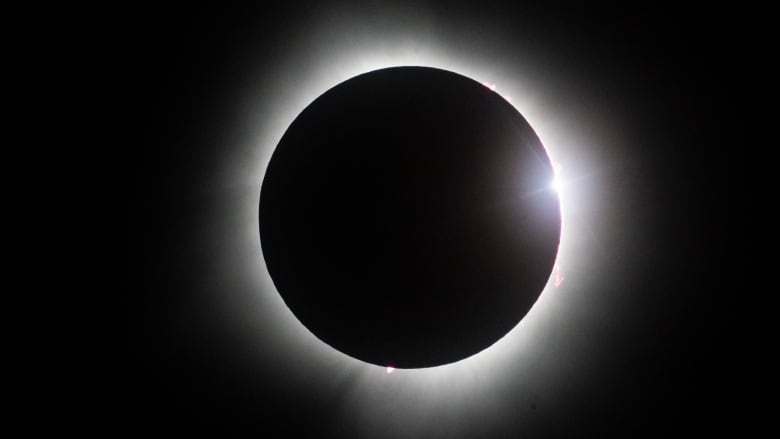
x,y
154,94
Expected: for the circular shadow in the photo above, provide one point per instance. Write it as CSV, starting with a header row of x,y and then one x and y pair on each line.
x,y
407,217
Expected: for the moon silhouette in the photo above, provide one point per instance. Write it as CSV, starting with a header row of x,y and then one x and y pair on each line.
x,y
407,217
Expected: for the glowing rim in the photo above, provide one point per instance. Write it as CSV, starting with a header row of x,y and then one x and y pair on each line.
x,y
369,395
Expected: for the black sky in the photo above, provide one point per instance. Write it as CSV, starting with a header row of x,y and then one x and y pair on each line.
x,y
158,96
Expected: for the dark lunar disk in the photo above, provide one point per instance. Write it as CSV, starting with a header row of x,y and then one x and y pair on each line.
x,y
407,217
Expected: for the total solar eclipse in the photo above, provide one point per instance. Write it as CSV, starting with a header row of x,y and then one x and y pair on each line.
x,y
407,217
